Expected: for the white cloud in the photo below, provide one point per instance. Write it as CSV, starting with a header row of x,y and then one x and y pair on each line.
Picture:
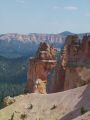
x,y
88,14
71,8
20,1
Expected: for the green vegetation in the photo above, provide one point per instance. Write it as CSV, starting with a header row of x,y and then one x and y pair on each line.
x,y
10,90
13,76
23,116
83,110
53,107
30,106
13,70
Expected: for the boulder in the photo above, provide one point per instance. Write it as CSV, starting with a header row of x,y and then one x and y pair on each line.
x,y
8,101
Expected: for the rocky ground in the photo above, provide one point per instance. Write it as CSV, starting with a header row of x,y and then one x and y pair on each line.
x,y
67,105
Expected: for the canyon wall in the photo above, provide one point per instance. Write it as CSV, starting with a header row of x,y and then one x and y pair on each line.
x,y
33,37
71,70
74,68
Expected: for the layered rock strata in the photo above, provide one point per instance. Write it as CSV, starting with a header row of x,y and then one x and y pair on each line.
x,y
40,67
74,67
70,71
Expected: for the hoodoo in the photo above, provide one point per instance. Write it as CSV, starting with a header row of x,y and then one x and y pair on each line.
x,y
40,67
72,69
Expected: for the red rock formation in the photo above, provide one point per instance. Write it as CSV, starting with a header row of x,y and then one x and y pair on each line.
x,y
71,71
86,46
39,68
74,69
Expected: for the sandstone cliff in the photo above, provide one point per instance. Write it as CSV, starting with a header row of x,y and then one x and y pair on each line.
x,y
70,71
15,45
36,37
39,68
74,68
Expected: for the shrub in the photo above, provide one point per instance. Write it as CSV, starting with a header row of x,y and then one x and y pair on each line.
x,y
30,106
53,107
83,110
23,116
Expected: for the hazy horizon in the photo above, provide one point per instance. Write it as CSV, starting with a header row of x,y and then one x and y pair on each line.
x,y
42,33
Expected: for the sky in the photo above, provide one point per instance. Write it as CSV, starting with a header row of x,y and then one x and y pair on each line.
x,y
44,16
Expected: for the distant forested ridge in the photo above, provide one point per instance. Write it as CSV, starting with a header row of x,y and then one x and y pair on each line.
x,y
13,70
13,76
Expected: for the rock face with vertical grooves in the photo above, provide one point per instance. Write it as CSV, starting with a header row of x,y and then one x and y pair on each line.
x,y
39,68
74,67
71,71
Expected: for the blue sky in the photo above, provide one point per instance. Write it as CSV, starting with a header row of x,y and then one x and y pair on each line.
x,y
44,16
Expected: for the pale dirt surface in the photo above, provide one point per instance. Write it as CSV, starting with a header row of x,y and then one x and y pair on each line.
x,y
84,117
68,106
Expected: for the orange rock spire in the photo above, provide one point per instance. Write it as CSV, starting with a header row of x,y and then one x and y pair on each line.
x,y
39,68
